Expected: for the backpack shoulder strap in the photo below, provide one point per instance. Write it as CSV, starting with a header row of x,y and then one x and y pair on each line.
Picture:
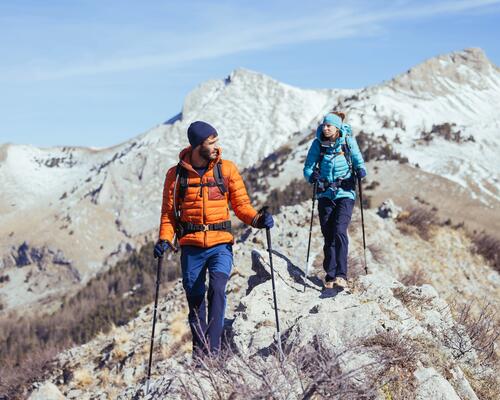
x,y
182,176
219,179
346,147
322,152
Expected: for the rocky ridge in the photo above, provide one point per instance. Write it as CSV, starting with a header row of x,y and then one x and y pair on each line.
x,y
382,338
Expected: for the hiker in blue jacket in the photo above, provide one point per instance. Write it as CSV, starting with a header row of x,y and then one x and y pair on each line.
x,y
334,161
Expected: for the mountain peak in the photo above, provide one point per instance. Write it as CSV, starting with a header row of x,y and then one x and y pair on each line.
x,y
440,75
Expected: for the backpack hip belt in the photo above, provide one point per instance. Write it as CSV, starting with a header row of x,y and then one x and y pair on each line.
x,y
188,227
340,183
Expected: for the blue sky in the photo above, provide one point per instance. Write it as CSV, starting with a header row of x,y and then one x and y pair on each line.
x,y
96,73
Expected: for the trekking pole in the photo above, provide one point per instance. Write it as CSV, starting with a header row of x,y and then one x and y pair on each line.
x,y
315,188
362,222
158,272
270,250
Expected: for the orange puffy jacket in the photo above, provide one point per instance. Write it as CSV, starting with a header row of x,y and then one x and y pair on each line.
x,y
209,208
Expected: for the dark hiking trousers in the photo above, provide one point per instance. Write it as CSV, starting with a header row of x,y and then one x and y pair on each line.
x,y
195,262
334,217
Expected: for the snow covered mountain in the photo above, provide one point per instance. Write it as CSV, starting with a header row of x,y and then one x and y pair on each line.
x,y
65,211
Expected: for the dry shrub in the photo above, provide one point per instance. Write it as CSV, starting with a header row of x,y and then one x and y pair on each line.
x,y
295,192
397,350
356,266
410,297
377,148
377,252
486,386
180,334
15,379
475,331
399,357
415,277
418,220
489,247
372,185
312,371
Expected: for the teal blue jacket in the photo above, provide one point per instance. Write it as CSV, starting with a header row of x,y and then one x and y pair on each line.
x,y
335,166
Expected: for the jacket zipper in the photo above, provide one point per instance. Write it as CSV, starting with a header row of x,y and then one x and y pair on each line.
x,y
203,211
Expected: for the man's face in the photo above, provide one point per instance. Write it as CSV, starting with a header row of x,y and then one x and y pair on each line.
x,y
209,148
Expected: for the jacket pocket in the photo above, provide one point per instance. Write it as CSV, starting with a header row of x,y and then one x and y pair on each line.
x,y
214,192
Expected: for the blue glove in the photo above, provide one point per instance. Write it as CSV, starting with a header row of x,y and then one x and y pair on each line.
x,y
161,247
265,221
322,186
361,173
314,177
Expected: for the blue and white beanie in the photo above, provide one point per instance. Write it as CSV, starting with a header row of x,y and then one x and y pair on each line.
x,y
333,119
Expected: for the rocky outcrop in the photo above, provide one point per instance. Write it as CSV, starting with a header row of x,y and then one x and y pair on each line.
x,y
379,339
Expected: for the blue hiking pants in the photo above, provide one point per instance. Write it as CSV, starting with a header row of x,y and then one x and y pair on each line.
x,y
334,217
195,262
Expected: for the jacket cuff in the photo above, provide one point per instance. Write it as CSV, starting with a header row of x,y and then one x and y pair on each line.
x,y
255,220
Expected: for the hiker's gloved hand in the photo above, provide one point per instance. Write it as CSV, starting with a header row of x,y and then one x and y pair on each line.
x,y
161,247
265,220
322,185
361,173
314,177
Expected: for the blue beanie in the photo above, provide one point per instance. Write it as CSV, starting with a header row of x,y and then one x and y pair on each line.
x,y
198,131
333,119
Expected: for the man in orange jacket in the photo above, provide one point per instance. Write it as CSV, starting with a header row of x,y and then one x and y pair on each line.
x,y
195,209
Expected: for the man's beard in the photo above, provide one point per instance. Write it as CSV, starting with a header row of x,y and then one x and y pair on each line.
x,y
206,154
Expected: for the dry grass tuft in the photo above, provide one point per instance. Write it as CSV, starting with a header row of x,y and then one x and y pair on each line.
x,y
416,277
82,378
399,357
356,266
417,220
178,327
397,350
120,336
411,297
378,252
487,386
489,247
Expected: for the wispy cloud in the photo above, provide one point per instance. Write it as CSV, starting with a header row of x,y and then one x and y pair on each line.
x,y
230,33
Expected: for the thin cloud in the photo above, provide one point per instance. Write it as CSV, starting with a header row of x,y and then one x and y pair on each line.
x,y
253,36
